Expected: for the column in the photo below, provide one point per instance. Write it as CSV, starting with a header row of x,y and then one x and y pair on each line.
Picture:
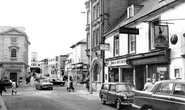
x,y
134,76
120,75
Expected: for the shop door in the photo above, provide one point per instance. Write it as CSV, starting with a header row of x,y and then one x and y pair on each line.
x,y
140,72
13,76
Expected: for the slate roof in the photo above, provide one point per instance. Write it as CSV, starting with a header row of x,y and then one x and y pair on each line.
x,y
149,6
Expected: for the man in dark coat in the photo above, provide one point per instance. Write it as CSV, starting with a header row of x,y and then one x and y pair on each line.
x,y
2,87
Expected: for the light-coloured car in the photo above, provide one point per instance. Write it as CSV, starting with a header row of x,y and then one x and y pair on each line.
x,y
44,84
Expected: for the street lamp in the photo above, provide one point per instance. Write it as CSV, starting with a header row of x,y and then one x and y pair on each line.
x,y
90,47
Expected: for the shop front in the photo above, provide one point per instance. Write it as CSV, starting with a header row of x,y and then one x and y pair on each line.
x,y
118,70
154,65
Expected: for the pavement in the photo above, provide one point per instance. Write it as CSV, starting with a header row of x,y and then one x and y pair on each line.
x,y
78,90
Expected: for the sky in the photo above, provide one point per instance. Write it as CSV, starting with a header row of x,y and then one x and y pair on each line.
x,y
51,25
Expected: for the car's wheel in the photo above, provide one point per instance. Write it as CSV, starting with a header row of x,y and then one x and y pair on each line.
x,y
51,88
118,104
103,101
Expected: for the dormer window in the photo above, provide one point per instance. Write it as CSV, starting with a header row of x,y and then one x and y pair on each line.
x,y
130,11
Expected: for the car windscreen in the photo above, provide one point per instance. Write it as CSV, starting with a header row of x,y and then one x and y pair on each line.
x,y
124,88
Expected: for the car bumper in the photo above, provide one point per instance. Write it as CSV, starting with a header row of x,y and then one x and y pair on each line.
x,y
127,102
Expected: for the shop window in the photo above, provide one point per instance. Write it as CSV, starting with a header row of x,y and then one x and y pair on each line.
x,y
132,43
116,45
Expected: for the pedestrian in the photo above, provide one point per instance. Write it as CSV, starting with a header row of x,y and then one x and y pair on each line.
x,y
148,85
2,87
14,86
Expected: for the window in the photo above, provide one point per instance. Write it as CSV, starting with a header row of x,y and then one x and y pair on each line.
x,y
88,41
13,39
165,88
112,88
13,53
152,27
116,45
94,12
97,37
94,39
88,17
130,11
179,89
98,9
132,43
105,86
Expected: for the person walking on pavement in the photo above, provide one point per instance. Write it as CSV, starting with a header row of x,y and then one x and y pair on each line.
x,y
14,86
148,85
2,87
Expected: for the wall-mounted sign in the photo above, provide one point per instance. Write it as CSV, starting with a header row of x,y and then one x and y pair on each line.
x,y
104,46
117,62
161,38
128,30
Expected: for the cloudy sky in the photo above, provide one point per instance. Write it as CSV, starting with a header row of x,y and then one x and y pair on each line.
x,y
52,25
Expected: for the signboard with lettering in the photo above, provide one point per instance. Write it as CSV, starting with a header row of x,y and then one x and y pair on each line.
x,y
117,62
126,30
104,46
161,37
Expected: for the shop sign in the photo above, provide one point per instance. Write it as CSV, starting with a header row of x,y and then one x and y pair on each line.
x,y
104,46
161,39
149,60
128,30
117,62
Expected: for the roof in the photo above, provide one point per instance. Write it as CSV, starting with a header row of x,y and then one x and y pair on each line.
x,y
80,42
149,7
117,83
172,81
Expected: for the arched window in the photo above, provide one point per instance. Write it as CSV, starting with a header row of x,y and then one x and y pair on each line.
x,y
13,53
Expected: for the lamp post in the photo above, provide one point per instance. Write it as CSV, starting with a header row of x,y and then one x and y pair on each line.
x,y
90,48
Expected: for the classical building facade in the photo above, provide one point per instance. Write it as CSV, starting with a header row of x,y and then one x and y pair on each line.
x,y
14,48
147,42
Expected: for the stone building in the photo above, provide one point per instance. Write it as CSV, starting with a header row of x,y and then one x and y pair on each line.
x,y
14,48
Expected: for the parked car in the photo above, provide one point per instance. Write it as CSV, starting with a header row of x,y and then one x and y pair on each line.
x,y
6,82
56,81
118,93
165,95
44,84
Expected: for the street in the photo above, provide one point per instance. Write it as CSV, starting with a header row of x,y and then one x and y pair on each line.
x,y
28,98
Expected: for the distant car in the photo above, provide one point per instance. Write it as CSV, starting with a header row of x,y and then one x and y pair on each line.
x,y
44,84
118,93
165,95
7,82
56,81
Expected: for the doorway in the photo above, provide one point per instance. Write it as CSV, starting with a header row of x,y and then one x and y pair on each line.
x,y
13,76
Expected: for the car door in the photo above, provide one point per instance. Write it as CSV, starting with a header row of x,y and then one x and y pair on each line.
x,y
178,98
161,99
112,93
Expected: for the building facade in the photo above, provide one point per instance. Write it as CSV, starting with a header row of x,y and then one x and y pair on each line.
x,y
14,48
79,61
146,43
101,14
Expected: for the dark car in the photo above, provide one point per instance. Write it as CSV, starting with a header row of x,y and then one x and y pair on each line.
x,y
56,81
165,95
6,82
118,93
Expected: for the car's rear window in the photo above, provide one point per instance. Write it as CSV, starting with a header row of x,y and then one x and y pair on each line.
x,y
124,88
